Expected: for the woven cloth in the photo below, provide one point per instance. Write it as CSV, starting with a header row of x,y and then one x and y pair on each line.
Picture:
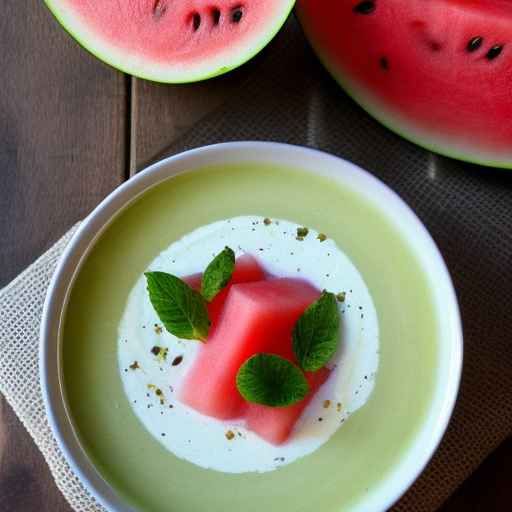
x,y
468,210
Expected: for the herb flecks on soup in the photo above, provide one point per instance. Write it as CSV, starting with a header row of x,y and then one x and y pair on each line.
x,y
283,323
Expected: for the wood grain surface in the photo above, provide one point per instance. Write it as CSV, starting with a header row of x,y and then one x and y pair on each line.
x,y
63,119
161,113
71,130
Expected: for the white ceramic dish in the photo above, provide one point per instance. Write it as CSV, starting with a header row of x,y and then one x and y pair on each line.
x,y
450,361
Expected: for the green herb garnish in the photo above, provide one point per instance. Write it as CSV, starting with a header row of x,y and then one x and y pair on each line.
x,y
180,308
316,333
302,233
217,274
160,353
268,379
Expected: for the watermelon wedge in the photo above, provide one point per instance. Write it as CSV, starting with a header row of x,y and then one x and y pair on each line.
x,y
172,41
438,72
275,424
257,317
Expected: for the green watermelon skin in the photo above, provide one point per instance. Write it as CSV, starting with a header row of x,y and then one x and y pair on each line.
x,y
438,72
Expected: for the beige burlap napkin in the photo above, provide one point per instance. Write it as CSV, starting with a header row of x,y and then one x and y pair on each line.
x,y
21,307
467,211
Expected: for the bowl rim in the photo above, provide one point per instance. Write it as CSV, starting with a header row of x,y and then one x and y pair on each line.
x,y
109,208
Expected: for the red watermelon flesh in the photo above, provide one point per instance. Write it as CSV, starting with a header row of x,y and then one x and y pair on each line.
x,y
439,72
257,317
275,424
169,40
247,269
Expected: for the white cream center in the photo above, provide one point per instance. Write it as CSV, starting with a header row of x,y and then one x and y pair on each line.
x,y
150,381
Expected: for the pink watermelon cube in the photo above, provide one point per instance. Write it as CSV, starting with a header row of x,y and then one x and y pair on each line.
x,y
247,269
257,317
275,424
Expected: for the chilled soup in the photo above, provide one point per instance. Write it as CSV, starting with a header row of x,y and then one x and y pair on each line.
x,y
353,459
154,364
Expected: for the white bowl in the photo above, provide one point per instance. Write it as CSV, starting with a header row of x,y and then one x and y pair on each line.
x,y
410,227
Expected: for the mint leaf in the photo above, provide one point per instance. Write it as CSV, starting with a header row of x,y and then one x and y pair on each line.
x,y
316,333
180,308
268,379
217,274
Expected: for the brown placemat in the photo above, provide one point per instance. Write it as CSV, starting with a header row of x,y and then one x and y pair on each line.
x,y
468,210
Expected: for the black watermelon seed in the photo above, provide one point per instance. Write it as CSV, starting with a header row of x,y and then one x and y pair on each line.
x,y
494,52
236,15
365,7
177,360
216,16
196,21
474,44
384,63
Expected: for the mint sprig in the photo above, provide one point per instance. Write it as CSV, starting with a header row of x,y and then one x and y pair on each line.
x,y
217,274
181,309
268,379
316,333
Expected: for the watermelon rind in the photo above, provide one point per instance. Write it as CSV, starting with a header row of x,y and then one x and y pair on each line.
x,y
147,69
401,126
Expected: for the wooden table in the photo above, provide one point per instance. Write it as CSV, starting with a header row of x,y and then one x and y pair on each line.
x,y
71,130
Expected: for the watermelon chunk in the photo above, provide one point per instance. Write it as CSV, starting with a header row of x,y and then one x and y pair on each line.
x,y
247,269
169,41
436,72
275,424
257,317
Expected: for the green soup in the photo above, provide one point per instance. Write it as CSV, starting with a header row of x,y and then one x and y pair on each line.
x,y
360,454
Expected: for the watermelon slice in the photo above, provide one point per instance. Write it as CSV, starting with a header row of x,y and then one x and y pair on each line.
x,y
172,41
438,72
247,269
257,317
275,424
